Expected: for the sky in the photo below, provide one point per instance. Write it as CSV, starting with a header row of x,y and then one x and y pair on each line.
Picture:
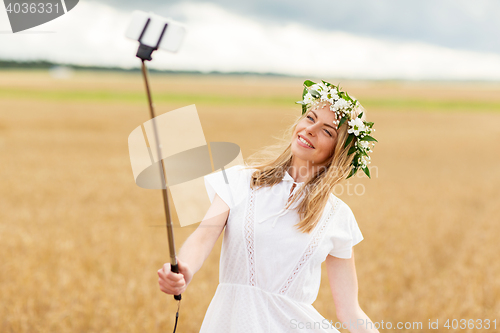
x,y
359,39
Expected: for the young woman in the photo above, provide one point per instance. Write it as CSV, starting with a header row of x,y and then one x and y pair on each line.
x,y
281,222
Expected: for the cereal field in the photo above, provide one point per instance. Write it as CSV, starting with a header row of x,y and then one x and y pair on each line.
x,y
81,243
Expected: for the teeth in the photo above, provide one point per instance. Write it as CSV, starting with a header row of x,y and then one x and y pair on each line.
x,y
305,142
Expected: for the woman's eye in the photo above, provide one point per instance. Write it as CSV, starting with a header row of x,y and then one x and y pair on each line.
x,y
312,119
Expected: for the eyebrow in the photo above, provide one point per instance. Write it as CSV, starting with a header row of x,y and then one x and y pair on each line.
x,y
324,123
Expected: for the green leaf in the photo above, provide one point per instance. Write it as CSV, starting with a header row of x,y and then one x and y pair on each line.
x,y
360,115
347,97
308,83
342,121
352,173
368,138
304,92
304,108
326,83
314,93
367,172
349,139
355,160
369,123
352,150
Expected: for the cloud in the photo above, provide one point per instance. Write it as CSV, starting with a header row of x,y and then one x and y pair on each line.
x,y
460,24
219,40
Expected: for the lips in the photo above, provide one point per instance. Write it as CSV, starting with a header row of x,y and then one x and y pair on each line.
x,y
307,143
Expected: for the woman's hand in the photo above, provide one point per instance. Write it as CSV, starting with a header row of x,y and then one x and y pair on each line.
x,y
174,283
195,249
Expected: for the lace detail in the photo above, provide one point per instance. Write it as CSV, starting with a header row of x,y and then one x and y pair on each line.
x,y
310,250
291,192
249,238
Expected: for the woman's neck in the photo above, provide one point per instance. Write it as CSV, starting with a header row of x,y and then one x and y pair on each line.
x,y
302,171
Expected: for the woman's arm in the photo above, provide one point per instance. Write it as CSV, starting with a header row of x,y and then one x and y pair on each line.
x,y
195,249
344,286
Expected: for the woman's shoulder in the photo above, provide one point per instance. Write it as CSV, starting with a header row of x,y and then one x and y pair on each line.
x,y
339,207
237,176
240,171
230,183
344,230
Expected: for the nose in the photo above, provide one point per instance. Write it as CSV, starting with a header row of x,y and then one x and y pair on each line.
x,y
312,128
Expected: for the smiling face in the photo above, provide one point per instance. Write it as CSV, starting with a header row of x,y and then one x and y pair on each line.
x,y
315,136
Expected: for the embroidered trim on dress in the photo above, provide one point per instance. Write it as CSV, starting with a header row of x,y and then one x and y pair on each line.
x,y
249,238
310,250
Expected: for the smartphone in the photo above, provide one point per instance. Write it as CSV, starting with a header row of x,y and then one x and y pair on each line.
x,y
155,31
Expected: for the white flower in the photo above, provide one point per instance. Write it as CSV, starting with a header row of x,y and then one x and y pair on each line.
x,y
356,126
329,95
324,96
342,104
364,161
308,99
342,113
335,109
321,89
363,144
316,87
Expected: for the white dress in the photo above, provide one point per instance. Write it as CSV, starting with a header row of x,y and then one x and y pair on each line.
x,y
270,272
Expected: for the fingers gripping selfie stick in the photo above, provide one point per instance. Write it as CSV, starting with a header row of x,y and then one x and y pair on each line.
x,y
154,32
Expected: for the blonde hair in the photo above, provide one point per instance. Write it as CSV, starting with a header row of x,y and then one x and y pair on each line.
x,y
273,161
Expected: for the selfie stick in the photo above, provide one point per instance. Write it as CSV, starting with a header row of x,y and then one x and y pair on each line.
x,y
154,32
174,267
144,53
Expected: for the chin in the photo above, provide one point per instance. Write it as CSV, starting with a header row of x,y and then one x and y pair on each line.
x,y
297,153
296,150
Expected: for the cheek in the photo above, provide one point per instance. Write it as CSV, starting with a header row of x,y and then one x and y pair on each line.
x,y
297,130
300,126
327,143
328,146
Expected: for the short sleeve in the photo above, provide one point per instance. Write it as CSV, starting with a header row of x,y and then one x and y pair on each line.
x,y
346,232
223,183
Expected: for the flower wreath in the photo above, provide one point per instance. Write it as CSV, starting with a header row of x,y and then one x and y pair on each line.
x,y
343,106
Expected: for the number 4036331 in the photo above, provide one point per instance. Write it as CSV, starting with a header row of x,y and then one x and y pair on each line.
x,y
32,8
470,324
